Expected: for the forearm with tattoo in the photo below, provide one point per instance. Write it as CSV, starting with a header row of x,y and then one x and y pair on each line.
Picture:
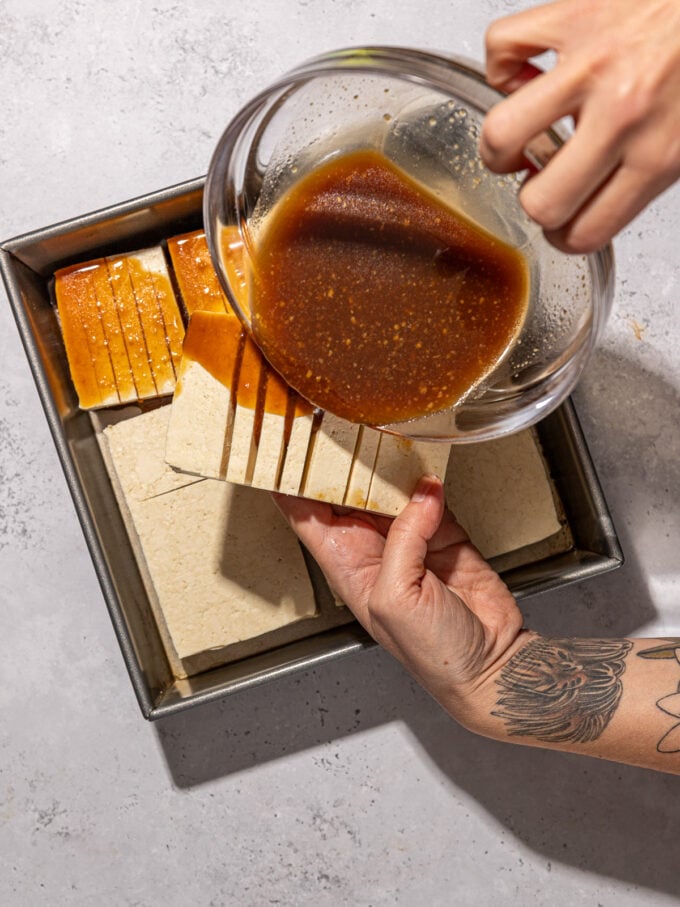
x,y
562,690
565,693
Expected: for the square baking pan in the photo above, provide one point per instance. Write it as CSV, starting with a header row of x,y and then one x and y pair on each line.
x,y
28,264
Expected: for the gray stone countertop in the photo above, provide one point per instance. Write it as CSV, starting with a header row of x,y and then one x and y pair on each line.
x,y
345,784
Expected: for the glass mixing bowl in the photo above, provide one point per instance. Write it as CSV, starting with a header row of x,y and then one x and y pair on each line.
x,y
423,112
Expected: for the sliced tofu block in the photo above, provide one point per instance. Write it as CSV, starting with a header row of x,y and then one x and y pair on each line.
x,y
122,328
234,418
159,315
500,492
221,565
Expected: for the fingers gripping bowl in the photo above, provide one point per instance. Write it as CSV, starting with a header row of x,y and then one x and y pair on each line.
x,y
419,116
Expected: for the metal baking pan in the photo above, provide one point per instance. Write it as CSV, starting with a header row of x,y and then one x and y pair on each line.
x,y
27,263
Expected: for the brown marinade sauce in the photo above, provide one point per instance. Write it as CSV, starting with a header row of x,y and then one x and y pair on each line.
x,y
376,300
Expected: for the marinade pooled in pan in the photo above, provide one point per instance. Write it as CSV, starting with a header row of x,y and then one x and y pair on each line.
x,y
375,300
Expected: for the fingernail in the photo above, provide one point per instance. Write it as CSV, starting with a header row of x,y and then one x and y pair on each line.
x,y
422,489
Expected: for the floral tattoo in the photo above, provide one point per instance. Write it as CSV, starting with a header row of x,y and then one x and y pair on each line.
x,y
670,742
562,690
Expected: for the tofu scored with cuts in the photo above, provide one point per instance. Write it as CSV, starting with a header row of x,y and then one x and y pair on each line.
x,y
224,573
122,327
234,418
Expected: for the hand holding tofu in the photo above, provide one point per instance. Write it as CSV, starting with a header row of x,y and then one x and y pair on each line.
x,y
424,592
420,588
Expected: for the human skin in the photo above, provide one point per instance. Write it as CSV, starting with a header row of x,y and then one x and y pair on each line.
x,y
617,74
422,591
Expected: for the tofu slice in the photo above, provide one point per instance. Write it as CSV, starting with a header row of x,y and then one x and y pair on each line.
x,y
365,455
330,459
121,326
195,444
223,570
198,283
277,411
399,465
296,449
249,385
201,419
160,318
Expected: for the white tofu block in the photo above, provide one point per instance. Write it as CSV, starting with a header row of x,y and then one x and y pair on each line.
x,y
221,564
224,564
501,494
145,474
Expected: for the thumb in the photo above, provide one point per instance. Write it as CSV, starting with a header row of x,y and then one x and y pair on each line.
x,y
406,545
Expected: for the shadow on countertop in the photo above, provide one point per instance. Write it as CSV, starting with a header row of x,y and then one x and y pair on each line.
x,y
599,817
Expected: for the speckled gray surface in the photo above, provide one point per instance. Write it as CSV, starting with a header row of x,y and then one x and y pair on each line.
x,y
344,785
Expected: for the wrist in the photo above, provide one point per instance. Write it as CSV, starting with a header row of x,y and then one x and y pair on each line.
x,y
473,704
